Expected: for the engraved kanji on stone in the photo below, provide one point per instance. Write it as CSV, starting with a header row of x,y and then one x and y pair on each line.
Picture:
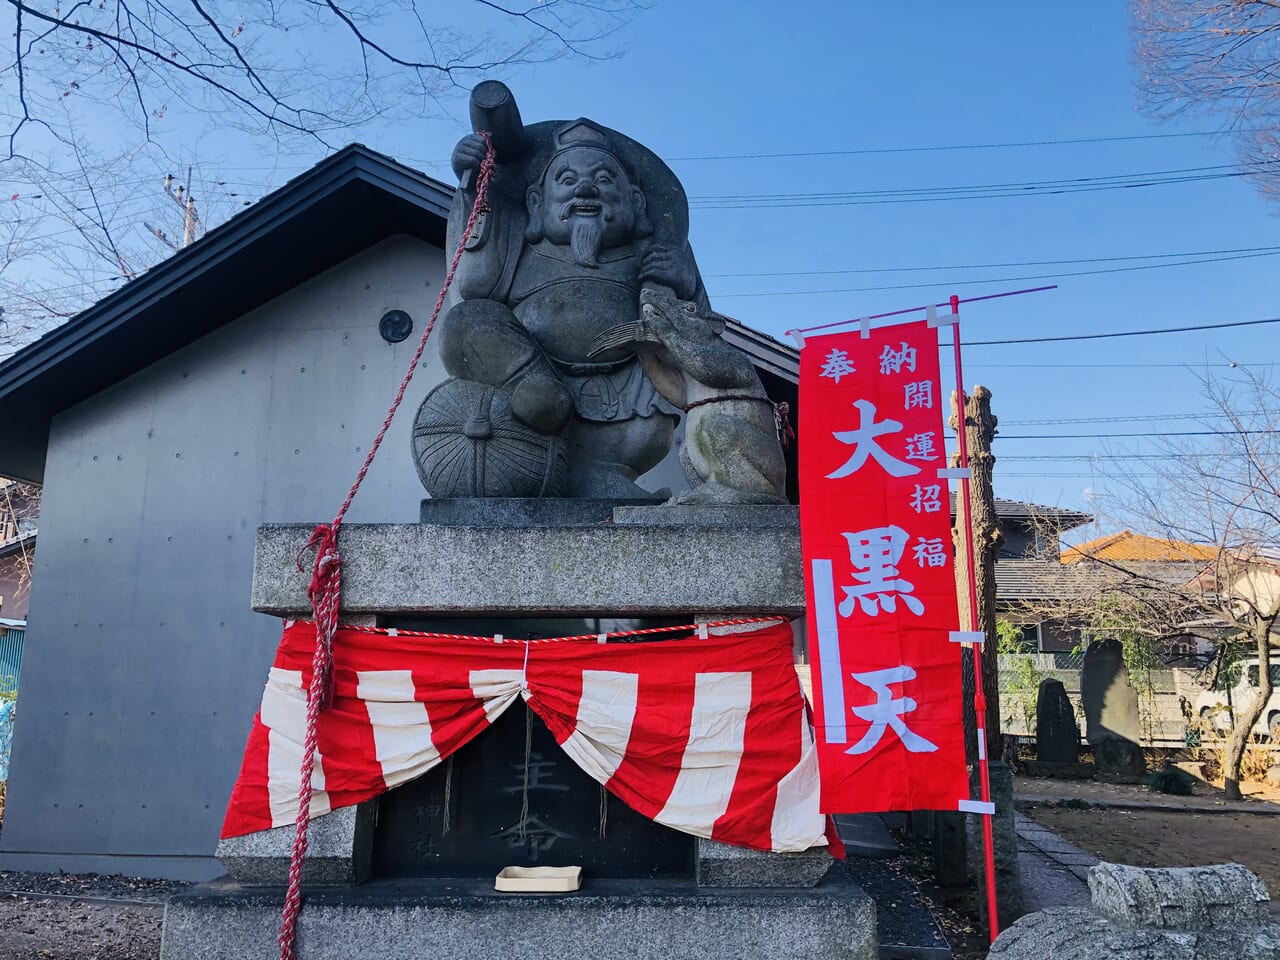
x,y
918,395
892,361
423,846
927,498
866,445
874,555
837,365
929,552
532,837
540,773
920,446
887,711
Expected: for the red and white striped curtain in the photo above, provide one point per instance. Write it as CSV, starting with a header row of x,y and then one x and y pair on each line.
x,y
708,736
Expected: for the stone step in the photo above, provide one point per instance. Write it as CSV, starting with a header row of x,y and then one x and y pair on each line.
x,y
865,835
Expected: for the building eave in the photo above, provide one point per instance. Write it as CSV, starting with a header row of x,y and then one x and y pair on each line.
x,y
339,207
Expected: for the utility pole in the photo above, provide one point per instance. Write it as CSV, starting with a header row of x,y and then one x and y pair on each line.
x,y
181,195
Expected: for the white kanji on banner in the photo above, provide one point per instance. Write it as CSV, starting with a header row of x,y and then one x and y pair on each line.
x,y
864,441
874,555
886,712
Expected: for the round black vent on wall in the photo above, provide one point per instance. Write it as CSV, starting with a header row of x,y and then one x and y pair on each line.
x,y
395,325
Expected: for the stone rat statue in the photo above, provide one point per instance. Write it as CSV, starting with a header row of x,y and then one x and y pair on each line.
x,y
731,452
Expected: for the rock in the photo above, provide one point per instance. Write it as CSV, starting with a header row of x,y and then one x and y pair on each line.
x,y
1181,913
1273,775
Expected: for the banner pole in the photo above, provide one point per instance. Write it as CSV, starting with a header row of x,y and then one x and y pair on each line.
x,y
979,696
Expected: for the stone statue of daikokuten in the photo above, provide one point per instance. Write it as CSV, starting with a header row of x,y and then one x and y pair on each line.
x,y
578,219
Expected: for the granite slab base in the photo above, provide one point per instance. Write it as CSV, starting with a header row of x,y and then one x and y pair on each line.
x,y
339,850
467,920
654,566
722,865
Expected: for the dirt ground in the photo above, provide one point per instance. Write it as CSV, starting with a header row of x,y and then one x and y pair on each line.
x,y
1029,788
1156,838
1162,838
73,930
69,928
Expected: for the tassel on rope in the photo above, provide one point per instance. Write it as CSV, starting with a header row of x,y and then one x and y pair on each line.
x,y
782,422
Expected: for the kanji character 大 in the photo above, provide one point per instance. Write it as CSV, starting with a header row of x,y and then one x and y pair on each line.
x,y
864,443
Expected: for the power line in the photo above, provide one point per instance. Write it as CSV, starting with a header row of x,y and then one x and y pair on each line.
x,y
1157,416
1147,434
1009,185
983,365
966,283
993,266
1126,333
1089,457
935,194
935,149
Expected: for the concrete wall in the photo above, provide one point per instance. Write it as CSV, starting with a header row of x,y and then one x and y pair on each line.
x,y
145,663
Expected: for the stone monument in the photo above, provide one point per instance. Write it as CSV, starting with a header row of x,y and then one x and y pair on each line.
x,y
578,333
1057,733
1112,723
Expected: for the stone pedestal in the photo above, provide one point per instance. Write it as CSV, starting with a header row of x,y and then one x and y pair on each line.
x,y
516,559
464,920
1004,842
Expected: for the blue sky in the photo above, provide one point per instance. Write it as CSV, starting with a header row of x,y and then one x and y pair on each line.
x,y
715,79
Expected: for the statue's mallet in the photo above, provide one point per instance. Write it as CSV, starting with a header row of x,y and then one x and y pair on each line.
x,y
494,111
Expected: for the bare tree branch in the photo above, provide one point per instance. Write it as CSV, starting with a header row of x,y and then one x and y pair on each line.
x,y
1221,57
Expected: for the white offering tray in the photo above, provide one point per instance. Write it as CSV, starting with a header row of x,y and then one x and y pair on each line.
x,y
538,879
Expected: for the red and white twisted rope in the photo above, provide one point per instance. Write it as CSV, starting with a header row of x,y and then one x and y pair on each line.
x,y
326,588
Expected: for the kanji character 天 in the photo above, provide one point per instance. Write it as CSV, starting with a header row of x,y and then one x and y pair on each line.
x,y
886,712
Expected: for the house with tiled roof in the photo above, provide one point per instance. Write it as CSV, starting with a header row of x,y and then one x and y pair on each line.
x,y
1129,547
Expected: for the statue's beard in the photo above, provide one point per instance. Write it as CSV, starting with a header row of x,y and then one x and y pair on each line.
x,y
586,232
585,239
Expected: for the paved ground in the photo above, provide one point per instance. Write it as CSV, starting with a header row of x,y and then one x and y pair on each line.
x,y
1053,871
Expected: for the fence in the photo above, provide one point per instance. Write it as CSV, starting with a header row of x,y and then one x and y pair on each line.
x,y
11,656
10,670
1161,717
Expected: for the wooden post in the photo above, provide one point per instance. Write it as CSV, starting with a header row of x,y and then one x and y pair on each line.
x,y
980,427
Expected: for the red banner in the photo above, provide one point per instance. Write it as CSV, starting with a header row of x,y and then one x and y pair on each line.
x,y
880,576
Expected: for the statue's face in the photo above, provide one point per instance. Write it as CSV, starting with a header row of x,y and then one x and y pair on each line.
x,y
586,200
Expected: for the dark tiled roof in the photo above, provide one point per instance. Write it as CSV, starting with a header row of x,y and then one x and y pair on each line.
x,y
1055,517
1020,580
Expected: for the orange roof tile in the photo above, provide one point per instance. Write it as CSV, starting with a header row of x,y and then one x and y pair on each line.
x,y
1128,546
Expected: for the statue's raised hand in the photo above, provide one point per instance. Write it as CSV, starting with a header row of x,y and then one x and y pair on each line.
x,y
670,268
468,154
